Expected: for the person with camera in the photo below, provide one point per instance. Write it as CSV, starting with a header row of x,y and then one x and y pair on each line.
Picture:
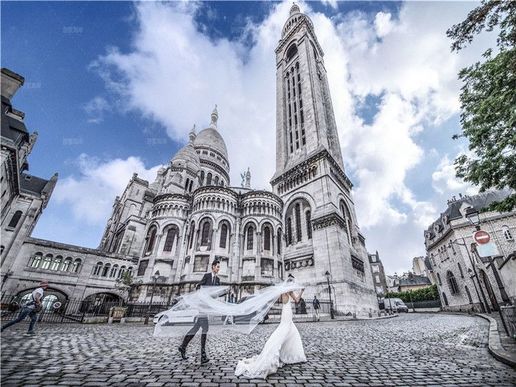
x,y
31,308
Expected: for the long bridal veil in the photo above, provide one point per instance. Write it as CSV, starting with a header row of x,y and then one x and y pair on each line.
x,y
206,303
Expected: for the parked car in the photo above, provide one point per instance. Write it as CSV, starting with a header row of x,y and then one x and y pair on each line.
x,y
395,305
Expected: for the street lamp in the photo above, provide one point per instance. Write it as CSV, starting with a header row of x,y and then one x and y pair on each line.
x,y
327,274
154,280
473,216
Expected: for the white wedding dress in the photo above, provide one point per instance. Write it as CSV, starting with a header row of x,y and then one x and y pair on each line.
x,y
283,347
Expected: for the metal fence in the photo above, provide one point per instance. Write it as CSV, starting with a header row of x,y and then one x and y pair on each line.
x,y
508,314
99,310
79,310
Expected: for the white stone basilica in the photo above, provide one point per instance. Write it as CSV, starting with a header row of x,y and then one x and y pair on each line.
x,y
170,230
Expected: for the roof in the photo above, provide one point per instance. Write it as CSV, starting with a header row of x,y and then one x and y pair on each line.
x,y
32,184
478,202
211,138
414,281
186,155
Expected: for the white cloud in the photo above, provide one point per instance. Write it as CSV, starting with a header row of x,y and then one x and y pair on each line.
x,y
91,195
174,74
383,24
445,181
95,109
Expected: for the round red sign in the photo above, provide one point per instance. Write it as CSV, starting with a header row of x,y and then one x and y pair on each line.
x,y
481,237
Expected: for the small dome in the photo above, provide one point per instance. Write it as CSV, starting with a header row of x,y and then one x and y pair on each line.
x,y
294,9
187,157
211,138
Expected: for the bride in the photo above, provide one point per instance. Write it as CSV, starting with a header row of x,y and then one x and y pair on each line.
x,y
284,346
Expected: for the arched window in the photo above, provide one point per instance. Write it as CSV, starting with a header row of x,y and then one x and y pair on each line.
x,y
216,180
192,234
267,238
445,299
460,270
171,237
309,224
205,234
469,295
250,236
289,231
36,260
151,239
223,235
190,187
278,241
66,264
439,279
507,234
105,271
56,262
46,262
14,220
291,52
452,283
202,178
98,268
130,271
114,270
298,222
122,271
208,178
77,263
187,184
347,219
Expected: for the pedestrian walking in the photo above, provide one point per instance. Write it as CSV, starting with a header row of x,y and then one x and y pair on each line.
x,y
31,308
316,305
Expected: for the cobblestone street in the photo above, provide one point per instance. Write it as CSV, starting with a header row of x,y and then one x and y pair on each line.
x,y
414,349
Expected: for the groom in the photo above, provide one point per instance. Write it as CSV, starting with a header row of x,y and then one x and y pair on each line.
x,y
209,279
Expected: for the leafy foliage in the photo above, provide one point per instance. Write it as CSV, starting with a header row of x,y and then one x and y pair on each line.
x,y
429,293
488,102
126,282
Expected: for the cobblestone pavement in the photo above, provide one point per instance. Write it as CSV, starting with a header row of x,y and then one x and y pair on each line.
x,y
414,349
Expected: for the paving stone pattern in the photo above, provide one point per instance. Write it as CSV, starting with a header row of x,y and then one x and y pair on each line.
x,y
411,350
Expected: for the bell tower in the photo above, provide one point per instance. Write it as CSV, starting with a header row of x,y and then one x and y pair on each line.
x,y
321,232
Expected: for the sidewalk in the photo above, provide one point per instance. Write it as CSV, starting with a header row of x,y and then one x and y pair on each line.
x,y
501,346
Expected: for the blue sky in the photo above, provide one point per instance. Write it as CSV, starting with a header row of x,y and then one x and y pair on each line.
x,y
114,87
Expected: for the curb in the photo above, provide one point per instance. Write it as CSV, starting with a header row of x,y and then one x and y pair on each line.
x,y
495,346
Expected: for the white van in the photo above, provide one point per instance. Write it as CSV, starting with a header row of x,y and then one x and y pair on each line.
x,y
395,305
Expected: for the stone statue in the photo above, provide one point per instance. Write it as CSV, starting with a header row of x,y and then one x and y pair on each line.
x,y
246,179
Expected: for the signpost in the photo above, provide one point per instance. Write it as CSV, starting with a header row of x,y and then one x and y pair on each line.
x,y
485,247
481,237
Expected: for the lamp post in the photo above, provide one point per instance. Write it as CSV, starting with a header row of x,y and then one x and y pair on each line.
x,y
154,280
327,274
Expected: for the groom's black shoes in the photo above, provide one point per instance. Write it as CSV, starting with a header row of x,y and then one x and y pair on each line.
x,y
182,351
204,358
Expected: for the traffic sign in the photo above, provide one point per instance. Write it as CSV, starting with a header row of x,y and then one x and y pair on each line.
x,y
481,237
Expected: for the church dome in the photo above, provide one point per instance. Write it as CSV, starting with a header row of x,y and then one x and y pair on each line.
x,y
187,157
210,138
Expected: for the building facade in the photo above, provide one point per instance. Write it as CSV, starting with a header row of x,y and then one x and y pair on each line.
x,y
467,281
379,278
167,232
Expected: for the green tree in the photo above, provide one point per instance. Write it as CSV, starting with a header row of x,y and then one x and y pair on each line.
x,y
488,101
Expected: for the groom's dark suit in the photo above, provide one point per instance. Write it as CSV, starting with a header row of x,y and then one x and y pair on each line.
x,y
209,279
